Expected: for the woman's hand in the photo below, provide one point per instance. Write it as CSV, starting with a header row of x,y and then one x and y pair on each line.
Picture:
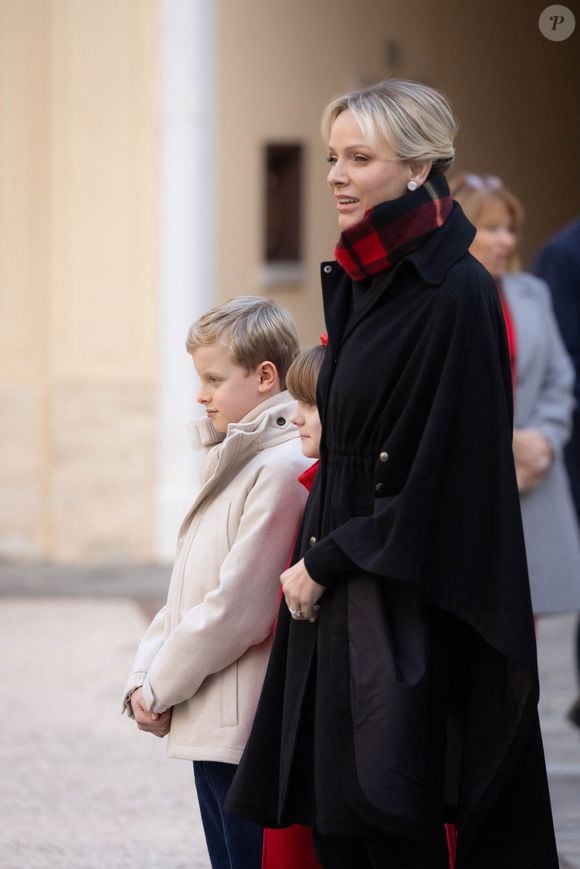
x,y
532,455
301,592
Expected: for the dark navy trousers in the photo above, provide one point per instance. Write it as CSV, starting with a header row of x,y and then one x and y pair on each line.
x,y
232,842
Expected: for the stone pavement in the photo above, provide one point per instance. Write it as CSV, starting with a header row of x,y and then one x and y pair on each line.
x,y
81,787
561,739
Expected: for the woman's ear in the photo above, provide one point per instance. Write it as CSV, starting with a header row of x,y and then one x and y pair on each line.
x,y
420,171
267,376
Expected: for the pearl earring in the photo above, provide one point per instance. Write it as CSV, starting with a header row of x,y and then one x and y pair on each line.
x,y
412,185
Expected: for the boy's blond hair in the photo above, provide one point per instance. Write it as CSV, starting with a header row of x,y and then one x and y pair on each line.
x,y
254,330
302,376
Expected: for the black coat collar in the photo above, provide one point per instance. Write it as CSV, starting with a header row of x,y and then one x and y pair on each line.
x,y
432,262
442,249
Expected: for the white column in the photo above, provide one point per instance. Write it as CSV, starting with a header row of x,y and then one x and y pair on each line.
x,y
188,70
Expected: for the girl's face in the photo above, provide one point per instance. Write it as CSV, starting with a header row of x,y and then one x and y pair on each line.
x,y
495,240
307,421
361,176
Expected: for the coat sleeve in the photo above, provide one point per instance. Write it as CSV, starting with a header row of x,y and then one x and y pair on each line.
x,y
552,414
240,611
146,652
203,437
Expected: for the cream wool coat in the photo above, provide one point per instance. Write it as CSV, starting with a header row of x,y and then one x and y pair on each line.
x,y
206,651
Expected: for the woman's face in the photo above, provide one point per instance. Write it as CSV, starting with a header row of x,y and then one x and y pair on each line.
x,y
495,240
361,176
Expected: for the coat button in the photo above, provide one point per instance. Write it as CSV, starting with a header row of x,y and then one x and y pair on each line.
x,y
312,540
379,487
281,420
383,457
327,270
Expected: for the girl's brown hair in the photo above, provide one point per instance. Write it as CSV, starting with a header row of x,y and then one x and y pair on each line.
x,y
303,374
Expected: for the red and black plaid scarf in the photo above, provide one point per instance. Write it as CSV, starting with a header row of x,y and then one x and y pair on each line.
x,y
393,229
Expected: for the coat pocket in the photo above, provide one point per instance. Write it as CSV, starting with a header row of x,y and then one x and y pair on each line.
x,y
388,648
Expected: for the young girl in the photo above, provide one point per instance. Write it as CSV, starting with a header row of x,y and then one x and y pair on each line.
x,y
301,383
291,847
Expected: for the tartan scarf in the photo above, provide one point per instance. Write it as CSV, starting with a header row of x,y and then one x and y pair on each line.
x,y
393,229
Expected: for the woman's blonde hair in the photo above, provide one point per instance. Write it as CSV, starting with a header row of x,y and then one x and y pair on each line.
x,y
474,192
254,330
414,119
302,376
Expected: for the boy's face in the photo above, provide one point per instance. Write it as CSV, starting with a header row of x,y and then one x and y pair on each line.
x,y
307,421
227,391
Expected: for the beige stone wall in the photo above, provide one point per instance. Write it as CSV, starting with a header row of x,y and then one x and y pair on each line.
x,y
80,127
514,92
78,278
278,67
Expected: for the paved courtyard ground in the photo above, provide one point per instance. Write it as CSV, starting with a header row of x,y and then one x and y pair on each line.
x,y
81,787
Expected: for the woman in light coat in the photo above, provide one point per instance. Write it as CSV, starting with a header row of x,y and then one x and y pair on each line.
x,y
543,395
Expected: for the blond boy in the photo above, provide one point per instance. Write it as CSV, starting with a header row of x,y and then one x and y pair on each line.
x,y
200,666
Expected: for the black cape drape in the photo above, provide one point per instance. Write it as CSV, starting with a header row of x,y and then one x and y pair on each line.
x,y
413,698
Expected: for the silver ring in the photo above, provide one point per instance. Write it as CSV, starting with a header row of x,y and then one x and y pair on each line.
x,y
296,614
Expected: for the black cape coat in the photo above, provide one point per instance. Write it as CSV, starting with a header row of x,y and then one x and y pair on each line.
x,y
413,698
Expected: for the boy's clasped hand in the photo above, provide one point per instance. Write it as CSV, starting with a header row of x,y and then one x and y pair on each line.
x,y
150,722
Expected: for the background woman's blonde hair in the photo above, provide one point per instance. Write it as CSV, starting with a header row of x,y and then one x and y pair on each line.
x,y
474,192
414,119
302,376
253,329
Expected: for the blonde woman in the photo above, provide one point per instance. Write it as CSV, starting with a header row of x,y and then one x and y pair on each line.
x,y
408,699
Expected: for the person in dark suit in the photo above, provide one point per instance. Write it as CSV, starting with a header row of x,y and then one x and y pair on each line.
x,y
558,263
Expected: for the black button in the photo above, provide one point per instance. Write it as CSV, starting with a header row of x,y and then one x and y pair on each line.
x,y
281,420
379,487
